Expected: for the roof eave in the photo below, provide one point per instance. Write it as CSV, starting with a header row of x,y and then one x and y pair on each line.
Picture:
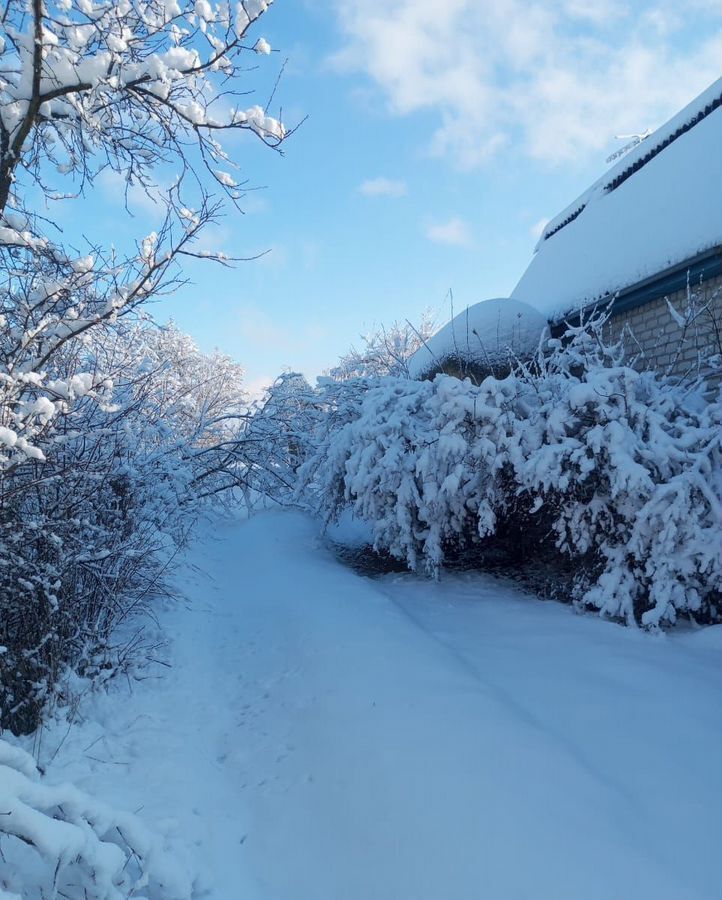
x,y
694,270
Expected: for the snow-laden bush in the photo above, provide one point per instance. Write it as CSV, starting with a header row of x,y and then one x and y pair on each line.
x,y
275,439
88,530
620,468
630,465
111,433
286,423
387,350
56,841
284,429
416,465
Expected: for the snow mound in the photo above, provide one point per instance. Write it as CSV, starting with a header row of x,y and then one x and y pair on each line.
x,y
484,335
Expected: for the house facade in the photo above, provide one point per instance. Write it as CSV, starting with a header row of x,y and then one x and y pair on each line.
x,y
646,239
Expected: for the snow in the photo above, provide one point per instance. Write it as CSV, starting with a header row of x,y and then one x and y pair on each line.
x,y
84,264
324,735
484,334
627,464
7,436
84,845
662,215
226,179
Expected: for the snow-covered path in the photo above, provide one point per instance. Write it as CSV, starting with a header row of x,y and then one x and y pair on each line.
x,y
322,736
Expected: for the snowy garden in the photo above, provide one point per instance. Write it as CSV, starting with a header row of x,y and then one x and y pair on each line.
x,y
200,696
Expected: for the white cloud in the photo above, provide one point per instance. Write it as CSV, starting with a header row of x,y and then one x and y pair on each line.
x,y
256,387
454,231
383,187
554,78
537,228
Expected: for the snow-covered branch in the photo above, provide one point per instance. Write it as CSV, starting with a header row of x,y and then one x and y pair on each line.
x,y
131,86
58,841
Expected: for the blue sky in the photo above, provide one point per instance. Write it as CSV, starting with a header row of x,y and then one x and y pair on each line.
x,y
440,136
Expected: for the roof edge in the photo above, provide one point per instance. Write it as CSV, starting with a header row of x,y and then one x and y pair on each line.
x,y
694,270
662,145
682,122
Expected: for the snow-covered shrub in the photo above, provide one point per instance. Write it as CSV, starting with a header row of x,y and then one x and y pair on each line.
x,y
631,466
289,425
617,470
384,351
112,433
286,425
416,464
275,439
88,530
57,841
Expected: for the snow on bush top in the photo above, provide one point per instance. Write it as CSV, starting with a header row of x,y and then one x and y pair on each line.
x,y
484,334
635,222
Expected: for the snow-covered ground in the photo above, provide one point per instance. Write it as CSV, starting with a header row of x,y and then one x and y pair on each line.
x,y
324,736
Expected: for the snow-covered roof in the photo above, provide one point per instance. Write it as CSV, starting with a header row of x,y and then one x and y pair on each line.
x,y
659,206
484,335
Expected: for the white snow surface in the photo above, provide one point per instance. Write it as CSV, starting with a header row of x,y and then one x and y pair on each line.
x,y
321,736
486,333
664,214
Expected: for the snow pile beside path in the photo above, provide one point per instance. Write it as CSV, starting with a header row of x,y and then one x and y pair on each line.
x,y
59,841
350,531
486,335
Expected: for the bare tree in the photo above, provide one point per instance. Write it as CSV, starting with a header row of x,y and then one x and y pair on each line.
x,y
93,85
111,432
384,351
128,85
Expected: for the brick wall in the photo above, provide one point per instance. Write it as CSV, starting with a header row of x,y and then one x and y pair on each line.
x,y
653,339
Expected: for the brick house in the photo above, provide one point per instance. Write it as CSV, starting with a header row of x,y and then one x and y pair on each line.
x,y
646,238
